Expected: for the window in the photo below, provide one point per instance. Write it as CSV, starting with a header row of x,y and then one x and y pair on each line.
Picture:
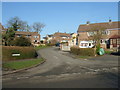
x,y
114,41
89,44
90,33
101,41
28,36
86,44
82,44
111,41
106,32
19,35
35,36
35,41
118,41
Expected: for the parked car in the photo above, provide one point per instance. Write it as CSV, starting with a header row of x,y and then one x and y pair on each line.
x,y
57,44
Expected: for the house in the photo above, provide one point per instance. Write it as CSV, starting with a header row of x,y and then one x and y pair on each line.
x,y
57,37
111,34
61,37
73,40
33,36
48,38
2,31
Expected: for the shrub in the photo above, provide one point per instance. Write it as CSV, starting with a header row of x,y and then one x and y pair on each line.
x,y
108,52
25,52
97,49
83,51
22,41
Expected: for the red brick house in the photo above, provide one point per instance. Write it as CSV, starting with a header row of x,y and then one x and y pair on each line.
x,y
58,37
33,36
61,37
111,32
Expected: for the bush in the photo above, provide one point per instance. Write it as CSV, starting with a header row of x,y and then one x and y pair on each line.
x,y
25,52
83,51
22,41
97,49
108,52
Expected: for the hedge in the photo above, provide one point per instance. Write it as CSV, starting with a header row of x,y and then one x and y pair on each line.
x,y
83,51
25,52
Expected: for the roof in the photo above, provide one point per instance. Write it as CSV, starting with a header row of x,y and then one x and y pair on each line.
x,y
107,25
115,37
50,35
61,34
2,28
26,33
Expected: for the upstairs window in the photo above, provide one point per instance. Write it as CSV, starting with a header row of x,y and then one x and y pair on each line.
x,y
106,32
90,33
28,36
18,35
35,36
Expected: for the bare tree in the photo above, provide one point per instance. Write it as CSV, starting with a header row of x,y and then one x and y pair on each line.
x,y
98,32
17,24
37,26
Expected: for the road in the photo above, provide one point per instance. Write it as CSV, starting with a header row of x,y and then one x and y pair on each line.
x,y
62,70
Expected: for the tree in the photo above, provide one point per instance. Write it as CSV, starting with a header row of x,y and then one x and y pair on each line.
x,y
37,26
8,36
98,32
17,24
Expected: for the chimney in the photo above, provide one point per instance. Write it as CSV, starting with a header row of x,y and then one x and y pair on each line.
x,y
88,22
110,20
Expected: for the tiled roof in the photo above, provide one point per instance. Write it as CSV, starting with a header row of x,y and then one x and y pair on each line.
x,y
26,33
115,37
107,25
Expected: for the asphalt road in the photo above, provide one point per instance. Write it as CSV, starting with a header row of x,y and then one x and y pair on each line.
x,y
62,70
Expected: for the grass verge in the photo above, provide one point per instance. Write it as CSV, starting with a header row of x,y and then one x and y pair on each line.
x,y
16,65
84,57
40,47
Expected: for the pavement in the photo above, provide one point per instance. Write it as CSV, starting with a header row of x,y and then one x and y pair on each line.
x,y
62,70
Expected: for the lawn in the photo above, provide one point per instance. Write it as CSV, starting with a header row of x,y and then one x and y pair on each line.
x,y
15,65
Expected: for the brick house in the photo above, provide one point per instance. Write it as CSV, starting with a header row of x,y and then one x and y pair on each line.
x,y
48,38
111,32
2,31
61,37
58,37
33,36
72,41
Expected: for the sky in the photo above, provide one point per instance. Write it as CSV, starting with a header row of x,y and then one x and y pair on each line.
x,y
60,16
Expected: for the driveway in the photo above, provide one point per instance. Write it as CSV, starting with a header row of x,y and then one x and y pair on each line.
x,y
61,70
